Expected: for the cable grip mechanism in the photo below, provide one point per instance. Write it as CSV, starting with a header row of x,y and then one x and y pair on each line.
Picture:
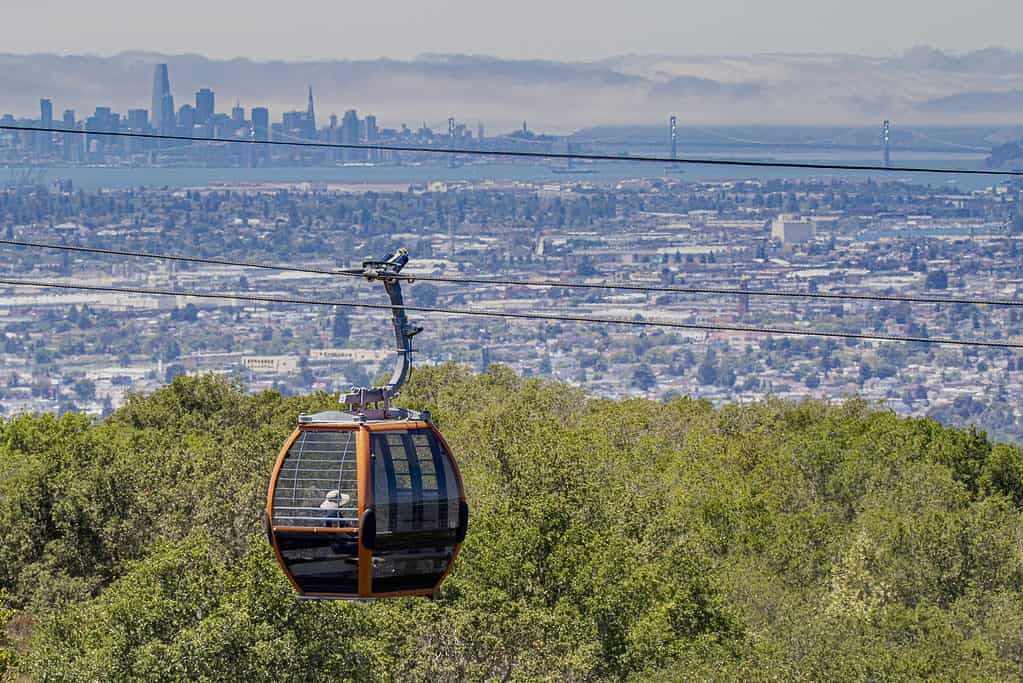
x,y
388,272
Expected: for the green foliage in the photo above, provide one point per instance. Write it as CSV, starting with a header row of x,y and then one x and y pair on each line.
x,y
6,651
608,540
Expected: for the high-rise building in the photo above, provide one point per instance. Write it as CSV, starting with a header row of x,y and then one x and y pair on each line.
x,y
102,121
72,142
44,141
294,123
138,122
237,113
205,106
168,120
163,101
310,117
260,123
138,119
260,131
186,118
372,136
46,113
350,135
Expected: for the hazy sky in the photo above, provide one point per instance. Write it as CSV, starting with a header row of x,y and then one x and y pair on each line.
x,y
539,29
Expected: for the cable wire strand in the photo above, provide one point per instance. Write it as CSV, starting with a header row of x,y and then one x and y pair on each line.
x,y
520,316
661,289
532,155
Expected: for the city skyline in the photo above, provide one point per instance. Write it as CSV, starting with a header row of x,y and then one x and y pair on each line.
x,y
202,120
921,87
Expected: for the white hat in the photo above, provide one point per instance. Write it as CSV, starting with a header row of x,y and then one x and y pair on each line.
x,y
337,498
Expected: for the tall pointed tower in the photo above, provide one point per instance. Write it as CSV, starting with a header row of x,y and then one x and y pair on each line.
x,y
310,116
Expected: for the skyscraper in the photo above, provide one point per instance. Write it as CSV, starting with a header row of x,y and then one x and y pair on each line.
x,y
102,121
237,113
168,120
44,140
186,118
163,101
260,123
138,122
350,135
260,131
205,106
72,143
310,117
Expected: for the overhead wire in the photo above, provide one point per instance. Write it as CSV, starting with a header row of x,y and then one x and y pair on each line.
x,y
659,289
521,316
536,316
748,163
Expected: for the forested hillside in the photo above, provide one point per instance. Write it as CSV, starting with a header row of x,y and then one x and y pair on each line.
x,y
608,540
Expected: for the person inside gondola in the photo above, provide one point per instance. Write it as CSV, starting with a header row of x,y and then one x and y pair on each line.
x,y
331,507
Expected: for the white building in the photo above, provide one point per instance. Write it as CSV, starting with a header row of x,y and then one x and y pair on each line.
x,y
271,364
792,230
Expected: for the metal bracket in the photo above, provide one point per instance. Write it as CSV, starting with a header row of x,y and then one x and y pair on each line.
x,y
388,272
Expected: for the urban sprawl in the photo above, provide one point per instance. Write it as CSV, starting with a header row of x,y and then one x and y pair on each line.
x,y
88,350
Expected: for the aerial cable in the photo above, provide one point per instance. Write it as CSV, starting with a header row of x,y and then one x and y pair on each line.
x,y
529,155
554,317
660,289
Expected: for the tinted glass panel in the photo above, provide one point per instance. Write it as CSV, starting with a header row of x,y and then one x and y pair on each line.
x,y
321,562
416,498
410,569
414,483
316,485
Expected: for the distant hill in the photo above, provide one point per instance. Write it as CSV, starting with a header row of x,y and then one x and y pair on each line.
x,y
1009,155
923,87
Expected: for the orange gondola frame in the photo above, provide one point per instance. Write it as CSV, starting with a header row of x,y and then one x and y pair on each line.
x,y
368,502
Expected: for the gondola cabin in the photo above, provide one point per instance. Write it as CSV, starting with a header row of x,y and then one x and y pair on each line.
x,y
366,508
368,502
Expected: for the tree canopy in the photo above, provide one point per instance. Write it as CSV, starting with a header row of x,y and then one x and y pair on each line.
x,y
608,540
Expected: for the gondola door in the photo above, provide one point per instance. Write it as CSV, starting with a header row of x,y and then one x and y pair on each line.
x,y
419,510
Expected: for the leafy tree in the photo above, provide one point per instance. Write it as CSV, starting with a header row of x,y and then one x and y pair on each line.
x,y
609,540
173,371
86,389
7,662
937,279
643,377
707,372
